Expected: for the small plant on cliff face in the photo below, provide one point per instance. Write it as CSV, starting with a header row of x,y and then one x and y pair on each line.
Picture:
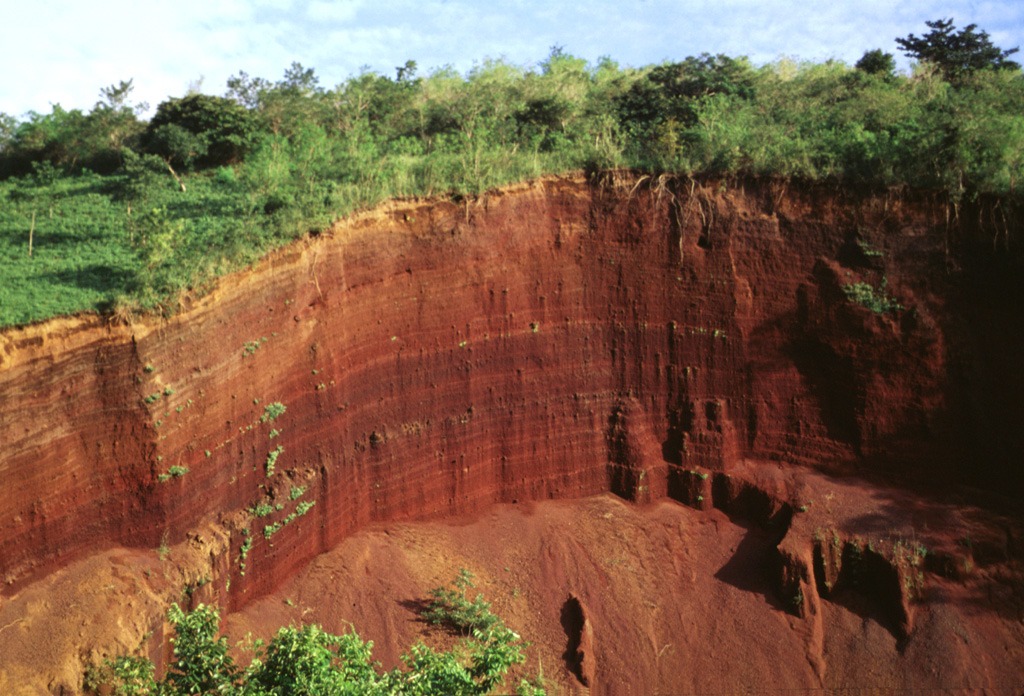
x,y
272,411
272,459
261,510
451,606
866,295
174,472
243,551
164,549
869,250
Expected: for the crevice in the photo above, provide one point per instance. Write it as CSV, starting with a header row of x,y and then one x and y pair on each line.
x,y
578,655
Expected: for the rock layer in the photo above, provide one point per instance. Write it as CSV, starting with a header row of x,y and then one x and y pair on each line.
x,y
554,339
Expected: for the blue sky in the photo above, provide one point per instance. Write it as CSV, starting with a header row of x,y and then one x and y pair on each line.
x,y
64,51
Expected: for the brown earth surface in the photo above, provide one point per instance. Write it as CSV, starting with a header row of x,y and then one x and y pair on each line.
x,y
643,411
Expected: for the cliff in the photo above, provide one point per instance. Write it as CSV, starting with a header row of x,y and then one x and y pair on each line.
x,y
557,339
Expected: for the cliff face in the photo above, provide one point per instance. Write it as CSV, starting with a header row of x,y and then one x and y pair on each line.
x,y
552,340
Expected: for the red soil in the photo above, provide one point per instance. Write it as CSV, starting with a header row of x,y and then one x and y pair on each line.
x,y
561,339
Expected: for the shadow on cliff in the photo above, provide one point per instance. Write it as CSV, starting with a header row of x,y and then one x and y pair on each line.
x,y
751,566
831,379
976,550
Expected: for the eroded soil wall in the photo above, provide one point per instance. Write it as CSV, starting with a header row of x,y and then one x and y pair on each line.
x,y
555,339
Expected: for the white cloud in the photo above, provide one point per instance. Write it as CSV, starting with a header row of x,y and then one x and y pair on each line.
x,y
66,50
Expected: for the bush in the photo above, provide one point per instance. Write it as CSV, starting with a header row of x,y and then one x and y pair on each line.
x,y
451,606
200,129
308,661
866,295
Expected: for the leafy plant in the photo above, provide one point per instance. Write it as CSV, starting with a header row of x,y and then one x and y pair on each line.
x,y
875,299
452,607
272,411
272,459
308,661
174,471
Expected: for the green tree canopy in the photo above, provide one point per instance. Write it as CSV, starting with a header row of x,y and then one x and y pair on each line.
x,y
209,130
877,62
957,53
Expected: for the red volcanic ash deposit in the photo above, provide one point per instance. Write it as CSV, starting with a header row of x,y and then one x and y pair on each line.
x,y
690,436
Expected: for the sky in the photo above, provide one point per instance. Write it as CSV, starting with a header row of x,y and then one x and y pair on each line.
x,y
64,51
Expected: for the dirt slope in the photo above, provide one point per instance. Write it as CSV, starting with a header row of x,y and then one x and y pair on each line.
x,y
560,339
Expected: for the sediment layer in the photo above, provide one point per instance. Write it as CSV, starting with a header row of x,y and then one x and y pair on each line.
x,y
554,339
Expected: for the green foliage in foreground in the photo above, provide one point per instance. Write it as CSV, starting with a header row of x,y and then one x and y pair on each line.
x,y
308,661
212,183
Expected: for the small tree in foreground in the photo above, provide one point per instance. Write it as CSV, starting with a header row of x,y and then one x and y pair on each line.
x,y
309,661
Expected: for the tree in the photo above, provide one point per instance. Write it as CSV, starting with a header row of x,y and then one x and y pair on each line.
x,y
299,81
8,125
957,53
671,90
877,62
247,91
200,129
113,126
141,176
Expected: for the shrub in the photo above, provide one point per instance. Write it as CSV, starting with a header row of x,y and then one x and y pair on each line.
x,y
272,411
451,606
308,661
866,295
200,128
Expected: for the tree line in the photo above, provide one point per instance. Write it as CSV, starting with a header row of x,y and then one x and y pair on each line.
x,y
227,176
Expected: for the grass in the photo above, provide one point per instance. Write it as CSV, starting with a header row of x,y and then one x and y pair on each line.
x,y
91,251
86,254
90,255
